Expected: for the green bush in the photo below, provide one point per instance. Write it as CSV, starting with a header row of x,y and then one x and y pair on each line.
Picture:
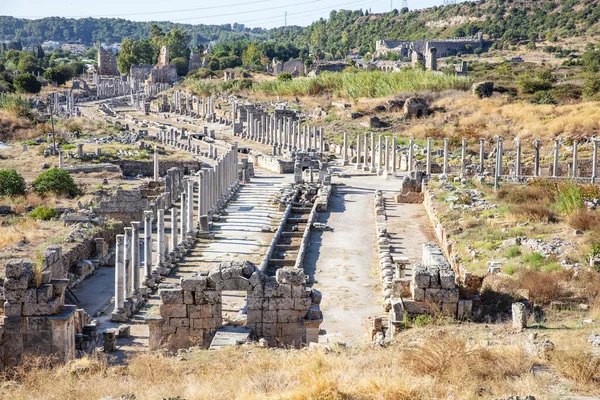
x,y
284,77
57,181
68,146
27,83
569,198
44,213
11,183
422,320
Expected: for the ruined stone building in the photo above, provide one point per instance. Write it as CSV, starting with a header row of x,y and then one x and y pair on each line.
x,y
195,61
294,67
444,47
163,71
107,63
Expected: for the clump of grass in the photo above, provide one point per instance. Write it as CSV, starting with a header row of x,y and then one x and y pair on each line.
x,y
516,194
43,213
584,220
422,320
568,199
543,287
536,212
577,365
14,104
512,252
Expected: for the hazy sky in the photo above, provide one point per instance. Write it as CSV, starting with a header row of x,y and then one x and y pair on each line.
x,y
263,13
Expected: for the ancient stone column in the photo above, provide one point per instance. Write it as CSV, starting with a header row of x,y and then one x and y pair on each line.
x,y
135,256
147,244
120,274
500,154
160,237
358,154
366,153
174,229
387,156
394,154
128,263
575,144
373,169
555,163
445,170
80,150
594,161
184,220
60,159
536,158
345,149
411,155
463,155
481,155
321,148
428,168
518,159
156,174
380,156
190,207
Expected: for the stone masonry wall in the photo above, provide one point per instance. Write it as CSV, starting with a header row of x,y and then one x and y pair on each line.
x,y
281,309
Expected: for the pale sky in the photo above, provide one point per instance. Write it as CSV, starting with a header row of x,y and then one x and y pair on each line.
x,y
252,13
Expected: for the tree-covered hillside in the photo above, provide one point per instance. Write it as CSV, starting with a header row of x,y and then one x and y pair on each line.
x,y
508,20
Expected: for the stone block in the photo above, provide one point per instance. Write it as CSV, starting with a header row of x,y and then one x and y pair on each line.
x,y
270,289
449,309
421,277
269,317
519,316
285,290
179,322
212,296
34,309
30,296
465,308
447,279
13,269
13,309
396,311
415,307
173,310
450,295
44,293
434,277
293,330
285,303
13,296
188,297
194,284
124,331
302,303
433,295
19,283
416,293
59,286
293,276
288,316
199,311
171,295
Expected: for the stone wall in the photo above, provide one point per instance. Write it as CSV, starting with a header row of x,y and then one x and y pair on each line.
x,y
146,168
271,163
125,206
280,309
107,62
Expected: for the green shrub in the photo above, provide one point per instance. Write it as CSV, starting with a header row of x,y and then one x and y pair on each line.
x,y
569,198
57,181
284,77
11,183
535,259
423,320
44,213
14,104
512,252
68,146
27,83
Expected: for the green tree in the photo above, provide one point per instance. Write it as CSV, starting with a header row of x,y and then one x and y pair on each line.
x,y
284,77
181,65
135,52
27,63
27,83
55,75
177,42
252,57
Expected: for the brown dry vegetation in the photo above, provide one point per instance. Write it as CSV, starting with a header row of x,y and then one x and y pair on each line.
x,y
426,363
15,128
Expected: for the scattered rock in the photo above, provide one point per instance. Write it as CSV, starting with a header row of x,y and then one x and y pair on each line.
x,y
415,107
483,89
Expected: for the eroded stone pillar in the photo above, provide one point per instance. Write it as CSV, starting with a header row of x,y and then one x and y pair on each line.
x,y
358,154
160,238
428,168
147,245
380,156
120,275
463,155
394,155
575,145
536,157
373,169
190,207
411,155
345,149
135,256
445,169
481,155
156,174
555,163
594,160
128,264
184,220
518,159
387,156
174,230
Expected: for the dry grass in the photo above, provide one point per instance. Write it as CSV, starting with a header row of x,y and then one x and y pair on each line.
x,y
578,365
543,287
15,128
536,212
584,220
26,229
449,369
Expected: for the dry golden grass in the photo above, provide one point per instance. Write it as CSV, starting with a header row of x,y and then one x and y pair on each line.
x,y
585,220
578,365
15,128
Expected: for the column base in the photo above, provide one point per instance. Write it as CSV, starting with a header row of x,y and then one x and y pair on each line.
x,y
358,166
118,315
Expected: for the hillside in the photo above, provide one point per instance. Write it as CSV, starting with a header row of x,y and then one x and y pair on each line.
x,y
507,20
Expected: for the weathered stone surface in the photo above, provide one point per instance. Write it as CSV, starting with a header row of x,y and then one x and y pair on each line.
x,y
171,295
294,276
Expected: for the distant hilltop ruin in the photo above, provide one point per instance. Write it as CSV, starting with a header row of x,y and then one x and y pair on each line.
x,y
444,47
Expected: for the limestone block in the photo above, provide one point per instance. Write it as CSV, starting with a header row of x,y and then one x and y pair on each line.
x,y
199,311
270,289
465,308
194,284
415,307
519,316
30,296
285,290
449,309
433,295
13,296
179,322
417,294
449,295
294,276
19,283
236,283
421,277
447,279
285,303
292,330
269,330
255,303
299,291
59,286
44,293
212,296
13,269
33,309
434,276
269,317
188,297
173,310
124,331
171,295
288,316
396,311
302,303
12,309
